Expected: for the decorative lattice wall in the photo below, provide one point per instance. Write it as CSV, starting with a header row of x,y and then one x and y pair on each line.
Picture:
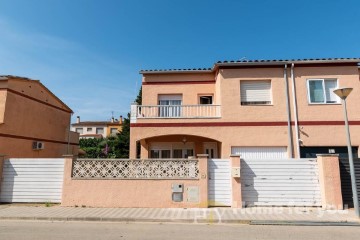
x,y
135,169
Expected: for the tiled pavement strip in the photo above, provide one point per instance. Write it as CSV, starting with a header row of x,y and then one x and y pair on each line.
x,y
191,215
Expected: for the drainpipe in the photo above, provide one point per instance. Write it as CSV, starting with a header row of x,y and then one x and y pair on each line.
x,y
290,140
295,111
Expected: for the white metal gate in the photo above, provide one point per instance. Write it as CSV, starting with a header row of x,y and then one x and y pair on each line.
x,y
280,182
219,182
32,180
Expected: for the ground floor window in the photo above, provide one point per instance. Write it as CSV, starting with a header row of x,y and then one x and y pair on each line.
x,y
171,150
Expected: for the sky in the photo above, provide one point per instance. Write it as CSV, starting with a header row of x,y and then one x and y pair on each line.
x,y
89,52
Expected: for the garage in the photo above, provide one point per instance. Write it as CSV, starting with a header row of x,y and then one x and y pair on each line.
x,y
260,152
219,192
32,180
269,178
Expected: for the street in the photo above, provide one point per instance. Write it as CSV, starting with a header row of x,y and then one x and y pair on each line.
x,y
105,230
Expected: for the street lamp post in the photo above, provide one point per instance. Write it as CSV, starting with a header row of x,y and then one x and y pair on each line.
x,y
343,93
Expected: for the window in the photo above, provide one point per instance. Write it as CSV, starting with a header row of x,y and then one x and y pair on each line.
x,y
99,130
170,105
321,91
113,131
255,92
155,154
206,99
89,129
79,130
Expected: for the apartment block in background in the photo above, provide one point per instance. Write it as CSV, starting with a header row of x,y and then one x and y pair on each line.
x,y
97,129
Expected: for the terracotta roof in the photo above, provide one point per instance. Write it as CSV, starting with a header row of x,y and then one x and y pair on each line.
x,y
253,62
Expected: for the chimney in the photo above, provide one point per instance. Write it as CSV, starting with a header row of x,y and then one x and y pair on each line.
x,y
112,119
120,120
78,119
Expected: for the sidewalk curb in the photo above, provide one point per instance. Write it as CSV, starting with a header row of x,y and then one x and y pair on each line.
x,y
201,221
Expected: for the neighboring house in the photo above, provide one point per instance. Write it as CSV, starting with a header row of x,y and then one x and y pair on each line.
x,y
97,129
34,123
249,108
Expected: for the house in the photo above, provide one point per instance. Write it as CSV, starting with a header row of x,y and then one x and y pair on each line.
x,y
97,129
255,108
34,123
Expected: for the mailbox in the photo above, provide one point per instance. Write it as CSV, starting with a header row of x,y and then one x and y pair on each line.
x,y
235,173
177,188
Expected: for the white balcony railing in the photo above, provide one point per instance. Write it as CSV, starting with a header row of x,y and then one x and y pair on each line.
x,y
179,111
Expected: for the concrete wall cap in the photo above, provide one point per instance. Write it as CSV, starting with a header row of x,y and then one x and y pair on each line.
x,y
327,155
202,155
235,155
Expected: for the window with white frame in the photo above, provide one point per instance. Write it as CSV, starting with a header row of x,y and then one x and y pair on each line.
x,y
170,105
171,150
320,91
79,130
255,92
99,130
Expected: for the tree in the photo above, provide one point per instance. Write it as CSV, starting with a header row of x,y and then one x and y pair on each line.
x,y
113,146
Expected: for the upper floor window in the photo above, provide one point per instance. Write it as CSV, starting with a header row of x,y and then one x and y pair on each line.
x,y
89,129
99,130
170,105
206,99
79,130
321,91
256,92
113,131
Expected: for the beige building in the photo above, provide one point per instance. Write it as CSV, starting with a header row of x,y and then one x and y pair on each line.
x,y
97,129
258,109
34,123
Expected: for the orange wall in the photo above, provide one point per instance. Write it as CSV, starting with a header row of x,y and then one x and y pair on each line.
x,y
26,118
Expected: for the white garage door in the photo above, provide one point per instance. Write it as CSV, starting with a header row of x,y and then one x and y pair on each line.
x,y
280,182
219,182
260,152
32,180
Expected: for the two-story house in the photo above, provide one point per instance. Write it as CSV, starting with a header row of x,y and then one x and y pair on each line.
x,y
258,109
34,123
97,129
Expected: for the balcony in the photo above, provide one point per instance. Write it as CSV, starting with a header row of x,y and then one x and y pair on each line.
x,y
176,111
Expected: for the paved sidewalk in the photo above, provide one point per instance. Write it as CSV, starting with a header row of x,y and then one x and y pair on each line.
x,y
274,215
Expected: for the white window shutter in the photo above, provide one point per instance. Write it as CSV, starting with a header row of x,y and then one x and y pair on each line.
x,y
255,91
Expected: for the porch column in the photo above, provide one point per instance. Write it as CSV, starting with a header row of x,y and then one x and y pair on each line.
x,y
144,149
235,182
203,184
330,182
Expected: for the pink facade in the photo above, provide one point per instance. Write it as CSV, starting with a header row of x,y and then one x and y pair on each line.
x,y
228,123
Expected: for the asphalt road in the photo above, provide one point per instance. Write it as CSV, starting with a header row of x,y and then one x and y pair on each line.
x,y
101,230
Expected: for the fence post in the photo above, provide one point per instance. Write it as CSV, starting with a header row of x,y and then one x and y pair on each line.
x,y
236,183
68,165
330,182
203,172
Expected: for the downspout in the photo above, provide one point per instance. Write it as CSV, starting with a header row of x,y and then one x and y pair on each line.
x,y
295,111
290,140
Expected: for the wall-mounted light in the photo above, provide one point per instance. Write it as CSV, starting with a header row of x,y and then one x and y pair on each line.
x,y
184,140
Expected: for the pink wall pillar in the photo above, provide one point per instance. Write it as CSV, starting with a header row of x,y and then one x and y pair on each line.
x,y
203,168
236,183
330,181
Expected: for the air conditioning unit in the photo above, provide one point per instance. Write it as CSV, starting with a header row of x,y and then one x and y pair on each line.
x,y
38,145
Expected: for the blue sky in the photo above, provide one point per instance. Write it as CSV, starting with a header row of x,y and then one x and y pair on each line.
x,y
89,52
